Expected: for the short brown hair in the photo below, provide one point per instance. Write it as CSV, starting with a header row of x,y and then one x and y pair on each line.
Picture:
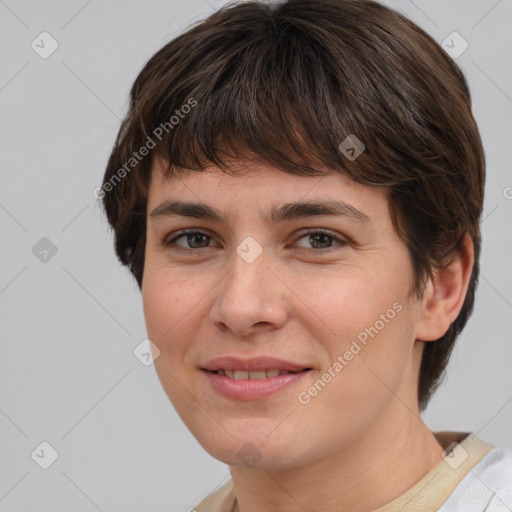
x,y
286,83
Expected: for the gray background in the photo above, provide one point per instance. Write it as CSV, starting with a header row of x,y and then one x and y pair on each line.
x,y
69,324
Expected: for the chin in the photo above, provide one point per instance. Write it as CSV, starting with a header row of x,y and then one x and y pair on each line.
x,y
251,449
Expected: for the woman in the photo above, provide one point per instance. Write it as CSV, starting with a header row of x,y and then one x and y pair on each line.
x,y
297,190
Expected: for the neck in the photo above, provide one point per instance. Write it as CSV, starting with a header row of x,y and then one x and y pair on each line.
x,y
370,472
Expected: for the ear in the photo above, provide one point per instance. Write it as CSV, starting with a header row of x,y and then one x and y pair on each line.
x,y
444,295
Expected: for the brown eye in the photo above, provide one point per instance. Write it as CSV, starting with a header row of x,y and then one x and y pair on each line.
x,y
193,240
321,239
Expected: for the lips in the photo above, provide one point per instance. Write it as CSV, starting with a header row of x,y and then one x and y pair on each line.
x,y
252,389
257,378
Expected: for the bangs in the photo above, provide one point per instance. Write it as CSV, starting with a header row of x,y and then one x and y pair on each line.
x,y
273,99
289,92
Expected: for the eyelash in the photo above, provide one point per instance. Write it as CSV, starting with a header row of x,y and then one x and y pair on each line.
x,y
309,232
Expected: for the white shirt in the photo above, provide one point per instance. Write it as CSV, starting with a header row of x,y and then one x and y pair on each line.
x,y
486,488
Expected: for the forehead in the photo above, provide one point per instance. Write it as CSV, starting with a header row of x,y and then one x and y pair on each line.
x,y
255,184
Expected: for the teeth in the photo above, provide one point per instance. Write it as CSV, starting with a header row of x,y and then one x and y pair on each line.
x,y
257,375
243,375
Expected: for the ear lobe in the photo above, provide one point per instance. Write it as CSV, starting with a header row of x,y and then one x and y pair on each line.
x,y
444,296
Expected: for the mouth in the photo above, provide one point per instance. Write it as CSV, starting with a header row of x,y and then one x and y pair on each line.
x,y
244,385
256,378
254,375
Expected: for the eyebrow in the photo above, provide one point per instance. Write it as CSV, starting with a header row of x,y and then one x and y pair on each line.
x,y
278,213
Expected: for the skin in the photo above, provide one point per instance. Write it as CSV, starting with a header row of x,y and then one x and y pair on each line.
x,y
360,442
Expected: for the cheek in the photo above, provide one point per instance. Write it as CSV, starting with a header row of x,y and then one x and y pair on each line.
x,y
349,300
367,320
170,325
167,305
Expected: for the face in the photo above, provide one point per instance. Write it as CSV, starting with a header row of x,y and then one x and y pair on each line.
x,y
324,295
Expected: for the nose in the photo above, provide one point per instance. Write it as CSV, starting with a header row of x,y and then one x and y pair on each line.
x,y
251,298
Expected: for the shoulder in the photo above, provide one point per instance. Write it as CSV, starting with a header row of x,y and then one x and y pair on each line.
x,y
487,487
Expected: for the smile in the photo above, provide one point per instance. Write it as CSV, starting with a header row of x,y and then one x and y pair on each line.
x,y
257,375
